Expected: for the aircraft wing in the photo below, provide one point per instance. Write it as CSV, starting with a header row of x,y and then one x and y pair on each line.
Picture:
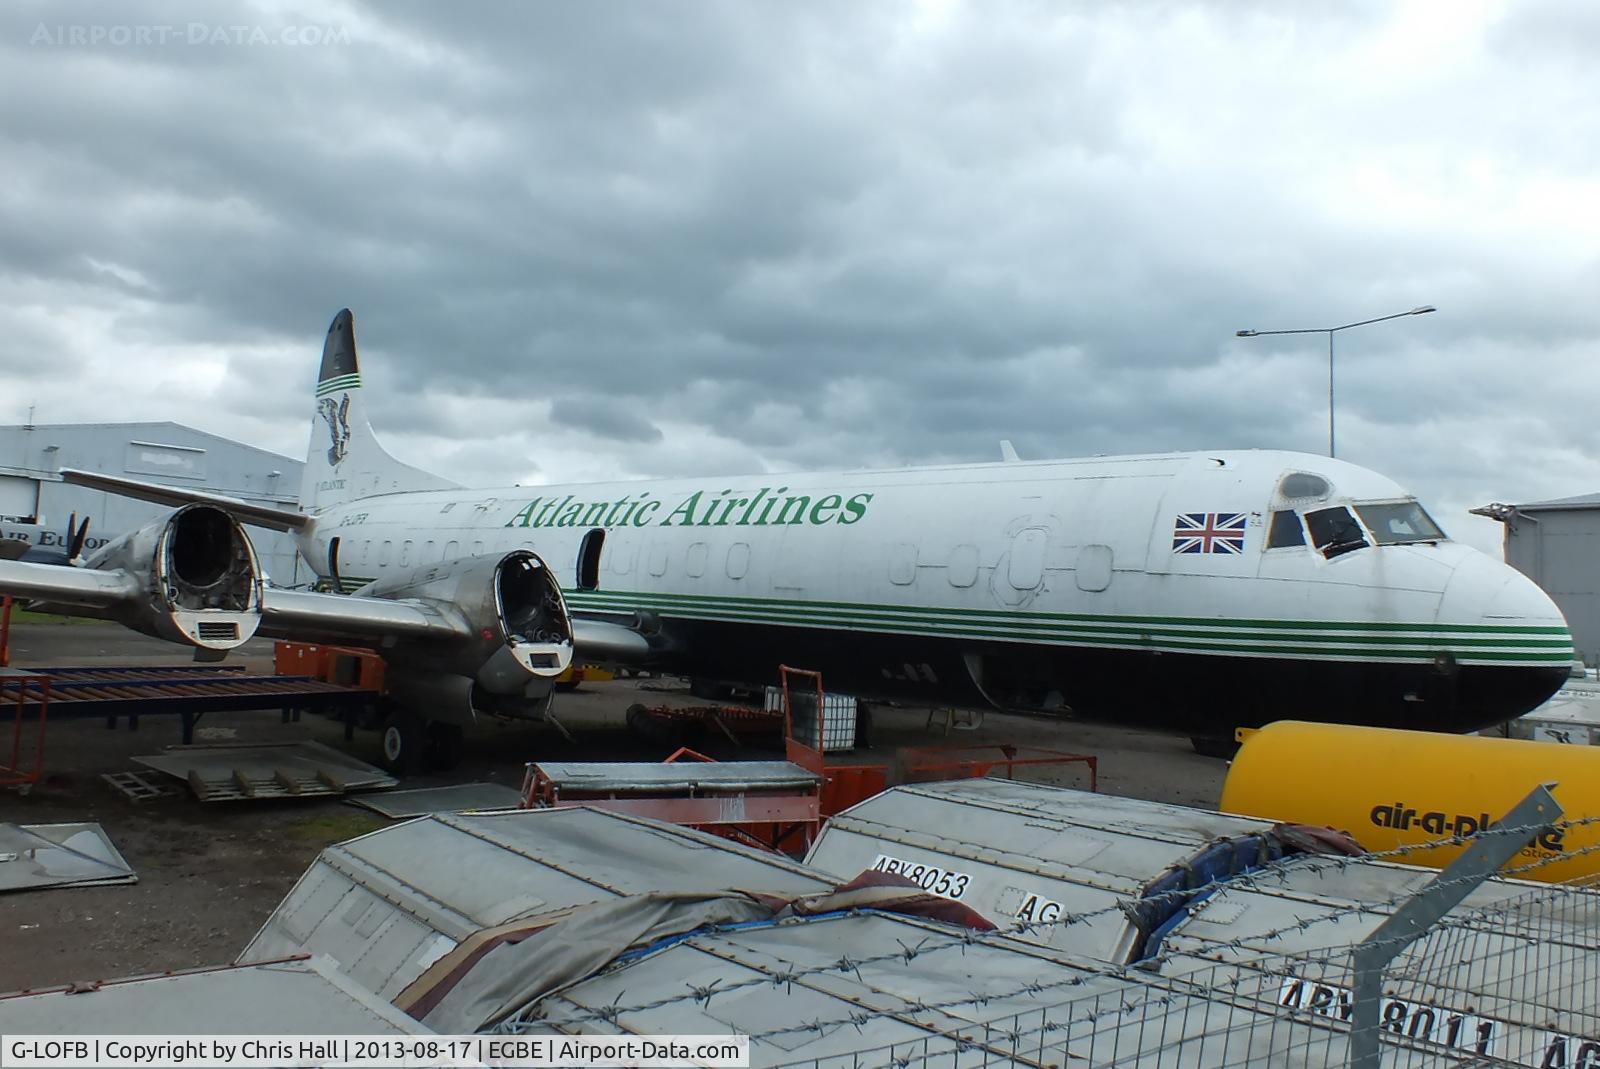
x,y
274,519
306,616
294,614
61,585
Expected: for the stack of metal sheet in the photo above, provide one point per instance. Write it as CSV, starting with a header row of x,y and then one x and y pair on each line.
x,y
225,772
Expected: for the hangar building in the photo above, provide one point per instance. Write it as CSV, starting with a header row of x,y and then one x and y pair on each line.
x,y
1557,545
36,505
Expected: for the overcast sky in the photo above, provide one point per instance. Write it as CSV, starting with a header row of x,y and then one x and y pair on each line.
x,y
604,239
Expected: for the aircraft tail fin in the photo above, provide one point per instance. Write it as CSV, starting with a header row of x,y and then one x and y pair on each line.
x,y
344,460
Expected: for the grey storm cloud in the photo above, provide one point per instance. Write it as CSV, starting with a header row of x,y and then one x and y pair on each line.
x,y
593,239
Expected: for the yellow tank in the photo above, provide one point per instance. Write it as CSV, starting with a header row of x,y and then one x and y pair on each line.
x,y
1393,788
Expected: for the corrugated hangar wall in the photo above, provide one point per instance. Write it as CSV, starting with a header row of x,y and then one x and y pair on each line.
x,y
1557,545
36,505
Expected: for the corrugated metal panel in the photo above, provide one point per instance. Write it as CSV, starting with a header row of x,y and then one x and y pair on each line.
x,y
1582,501
19,498
873,990
1023,852
454,798
388,904
640,777
1559,552
228,467
306,997
1517,960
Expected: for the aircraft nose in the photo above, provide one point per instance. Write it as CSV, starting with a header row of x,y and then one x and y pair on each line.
x,y
1498,600
1508,638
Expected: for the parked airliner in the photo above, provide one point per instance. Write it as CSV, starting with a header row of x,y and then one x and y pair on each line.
x,y
1189,592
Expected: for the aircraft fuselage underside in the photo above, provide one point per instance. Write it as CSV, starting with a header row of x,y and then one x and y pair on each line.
x,y
1182,692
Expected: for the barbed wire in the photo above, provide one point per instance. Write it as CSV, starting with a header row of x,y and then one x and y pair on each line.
x,y
1179,896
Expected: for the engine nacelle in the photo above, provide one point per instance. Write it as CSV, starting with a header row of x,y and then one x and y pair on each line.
x,y
198,578
511,606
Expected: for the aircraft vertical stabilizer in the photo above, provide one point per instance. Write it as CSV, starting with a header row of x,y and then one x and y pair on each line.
x,y
344,460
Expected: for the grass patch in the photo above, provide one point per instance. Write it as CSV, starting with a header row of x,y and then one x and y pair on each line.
x,y
347,823
28,616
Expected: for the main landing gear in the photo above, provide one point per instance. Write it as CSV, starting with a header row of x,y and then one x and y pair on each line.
x,y
412,744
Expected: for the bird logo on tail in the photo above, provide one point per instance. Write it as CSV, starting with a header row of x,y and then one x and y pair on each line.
x,y
337,416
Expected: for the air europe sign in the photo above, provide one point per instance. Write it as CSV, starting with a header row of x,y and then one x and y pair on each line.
x,y
766,508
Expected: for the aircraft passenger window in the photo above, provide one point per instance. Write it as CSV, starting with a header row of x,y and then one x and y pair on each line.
x,y
405,553
963,567
620,551
366,551
1286,531
589,559
452,550
1400,523
384,554
658,560
903,564
427,552
694,562
1094,567
1335,531
1302,484
738,560
477,549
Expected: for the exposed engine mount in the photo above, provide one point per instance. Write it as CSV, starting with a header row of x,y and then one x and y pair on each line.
x,y
520,634
197,577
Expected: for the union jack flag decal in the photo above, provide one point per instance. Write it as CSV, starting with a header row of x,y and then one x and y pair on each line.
x,y
1209,532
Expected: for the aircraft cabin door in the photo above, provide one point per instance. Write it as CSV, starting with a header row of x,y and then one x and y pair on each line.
x,y
1020,576
333,564
589,559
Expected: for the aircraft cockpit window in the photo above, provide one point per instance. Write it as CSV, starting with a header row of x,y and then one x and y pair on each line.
x,y
1300,485
1334,531
1400,523
1285,530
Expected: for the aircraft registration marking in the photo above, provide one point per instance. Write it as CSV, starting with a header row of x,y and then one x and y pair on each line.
x,y
946,883
1416,1020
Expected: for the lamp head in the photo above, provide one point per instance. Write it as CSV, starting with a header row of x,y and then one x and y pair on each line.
x,y
1244,334
1422,309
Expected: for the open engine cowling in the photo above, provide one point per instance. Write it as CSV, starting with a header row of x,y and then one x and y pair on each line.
x,y
198,578
512,609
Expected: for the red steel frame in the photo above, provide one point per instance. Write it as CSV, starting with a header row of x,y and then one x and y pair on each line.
x,y
924,763
5,631
15,774
744,816
773,819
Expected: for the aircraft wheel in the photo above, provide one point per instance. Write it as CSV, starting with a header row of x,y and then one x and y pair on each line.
x,y
445,744
404,738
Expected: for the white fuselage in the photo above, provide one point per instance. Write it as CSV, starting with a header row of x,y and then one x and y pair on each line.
x,y
1031,580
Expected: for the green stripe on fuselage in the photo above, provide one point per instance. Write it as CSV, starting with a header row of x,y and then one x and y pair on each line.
x,y
1350,640
1533,643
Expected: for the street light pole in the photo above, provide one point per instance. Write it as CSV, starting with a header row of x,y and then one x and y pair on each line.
x,y
1330,331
